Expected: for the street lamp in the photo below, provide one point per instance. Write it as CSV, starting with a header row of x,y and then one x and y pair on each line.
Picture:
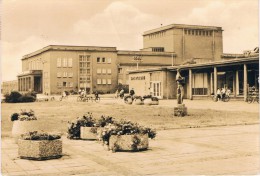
x,y
137,59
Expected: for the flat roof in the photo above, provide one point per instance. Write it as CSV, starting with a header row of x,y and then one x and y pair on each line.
x,y
181,26
203,65
148,53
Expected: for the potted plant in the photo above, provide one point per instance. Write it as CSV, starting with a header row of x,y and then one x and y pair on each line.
x,y
126,136
150,100
128,99
24,122
87,127
39,146
138,100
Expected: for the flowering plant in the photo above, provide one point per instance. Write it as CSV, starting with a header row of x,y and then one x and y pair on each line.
x,y
24,116
86,120
39,136
124,127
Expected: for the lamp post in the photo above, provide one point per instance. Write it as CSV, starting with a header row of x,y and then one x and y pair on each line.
x,y
137,59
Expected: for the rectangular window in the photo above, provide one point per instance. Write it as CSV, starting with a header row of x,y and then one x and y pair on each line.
x,y
120,70
59,62
70,75
88,65
109,60
59,74
99,70
64,84
70,62
98,60
65,62
103,60
108,81
98,81
104,71
109,71
200,86
82,71
88,71
59,84
104,81
65,74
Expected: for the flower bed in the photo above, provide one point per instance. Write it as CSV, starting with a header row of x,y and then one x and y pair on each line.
x,y
126,136
87,127
24,122
39,146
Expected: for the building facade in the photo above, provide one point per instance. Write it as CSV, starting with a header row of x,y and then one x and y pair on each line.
x,y
57,68
189,42
9,86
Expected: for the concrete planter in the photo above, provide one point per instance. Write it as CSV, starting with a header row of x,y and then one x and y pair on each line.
x,y
155,102
21,127
39,150
148,101
133,142
90,133
138,102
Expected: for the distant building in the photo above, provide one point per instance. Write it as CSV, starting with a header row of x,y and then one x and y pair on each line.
x,y
56,68
9,86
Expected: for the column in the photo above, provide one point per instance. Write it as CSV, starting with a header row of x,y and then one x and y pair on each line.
x,y
245,82
190,83
234,84
215,80
32,83
237,83
208,83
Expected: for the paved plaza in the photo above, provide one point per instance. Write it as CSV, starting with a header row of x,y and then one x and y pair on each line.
x,y
204,151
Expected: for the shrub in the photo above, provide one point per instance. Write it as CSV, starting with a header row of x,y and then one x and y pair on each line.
x,y
39,136
13,97
147,96
24,116
27,98
124,127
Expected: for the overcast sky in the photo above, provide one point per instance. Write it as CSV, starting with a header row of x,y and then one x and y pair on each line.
x,y
29,25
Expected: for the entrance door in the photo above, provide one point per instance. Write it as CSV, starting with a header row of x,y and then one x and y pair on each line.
x,y
156,89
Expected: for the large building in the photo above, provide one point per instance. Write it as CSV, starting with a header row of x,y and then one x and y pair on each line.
x,y
9,86
57,68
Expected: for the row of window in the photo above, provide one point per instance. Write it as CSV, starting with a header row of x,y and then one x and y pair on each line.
x,y
158,49
157,34
103,81
103,71
84,64
64,62
64,84
84,71
35,65
84,58
103,60
198,32
64,74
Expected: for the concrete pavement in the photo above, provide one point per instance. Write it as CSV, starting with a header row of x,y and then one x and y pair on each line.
x,y
195,151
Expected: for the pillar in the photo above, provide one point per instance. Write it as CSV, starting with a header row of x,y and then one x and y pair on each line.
x,y
32,83
190,83
237,83
215,80
234,84
245,82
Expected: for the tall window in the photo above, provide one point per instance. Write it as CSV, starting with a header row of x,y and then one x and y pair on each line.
x,y
103,60
65,62
200,86
98,81
104,81
65,74
108,81
99,70
109,71
104,71
59,62
98,60
59,74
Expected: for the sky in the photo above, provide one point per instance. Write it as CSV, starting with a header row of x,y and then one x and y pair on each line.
x,y
29,25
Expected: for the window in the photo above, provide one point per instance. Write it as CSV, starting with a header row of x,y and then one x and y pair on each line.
x,y
98,81
108,81
103,60
65,62
59,74
65,74
88,71
70,62
109,71
99,70
82,71
88,65
59,84
120,70
98,60
64,84
104,71
82,64
70,75
109,60
104,81
200,86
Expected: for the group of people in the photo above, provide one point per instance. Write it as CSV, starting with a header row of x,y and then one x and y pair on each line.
x,y
221,93
84,93
121,93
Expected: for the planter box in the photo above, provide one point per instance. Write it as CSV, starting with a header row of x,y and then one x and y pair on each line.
x,y
87,132
180,110
21,127
155,102
39,150
148,101
138,102
128,142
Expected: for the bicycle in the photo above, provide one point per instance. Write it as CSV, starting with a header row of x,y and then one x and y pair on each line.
x,y
252,98
225,99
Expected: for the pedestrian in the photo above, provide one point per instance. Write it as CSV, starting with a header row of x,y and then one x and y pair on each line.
x,y
218,94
